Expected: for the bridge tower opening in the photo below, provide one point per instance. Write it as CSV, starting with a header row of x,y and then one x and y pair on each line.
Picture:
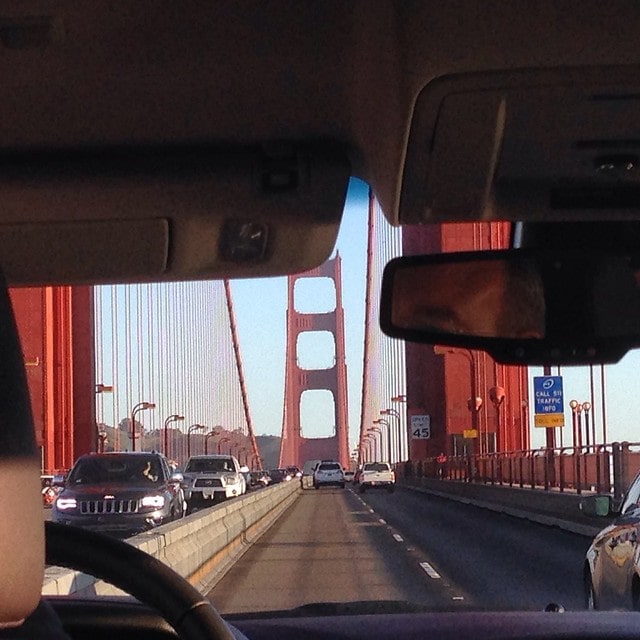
x,y
296,446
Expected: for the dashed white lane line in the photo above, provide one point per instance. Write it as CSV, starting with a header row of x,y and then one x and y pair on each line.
x,y
430,571
382,521
458,598
397,537
371,511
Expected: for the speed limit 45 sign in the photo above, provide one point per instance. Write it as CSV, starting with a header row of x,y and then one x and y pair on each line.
x,y
421,427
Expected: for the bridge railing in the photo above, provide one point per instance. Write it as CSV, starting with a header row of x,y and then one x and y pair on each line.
x,y
606,468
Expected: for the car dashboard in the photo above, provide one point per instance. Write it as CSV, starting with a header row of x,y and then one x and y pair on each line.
x,y
109,618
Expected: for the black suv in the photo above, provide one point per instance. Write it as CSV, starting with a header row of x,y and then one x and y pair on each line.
x,y
120,493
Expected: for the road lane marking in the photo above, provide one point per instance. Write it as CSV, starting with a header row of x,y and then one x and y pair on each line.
x,y
371,511
458,598
382,521
430,571
397,537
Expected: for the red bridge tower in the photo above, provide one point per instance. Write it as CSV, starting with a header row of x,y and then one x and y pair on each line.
x,y
295,449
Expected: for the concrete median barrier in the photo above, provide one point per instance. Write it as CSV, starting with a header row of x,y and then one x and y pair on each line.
x,y
200,547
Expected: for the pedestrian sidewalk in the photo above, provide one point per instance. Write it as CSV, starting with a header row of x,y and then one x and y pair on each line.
x,y
550,508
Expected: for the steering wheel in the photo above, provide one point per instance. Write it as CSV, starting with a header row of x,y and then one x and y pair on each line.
x,y
139,574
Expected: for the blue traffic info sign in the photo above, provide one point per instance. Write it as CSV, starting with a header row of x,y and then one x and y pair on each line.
x,y
549,402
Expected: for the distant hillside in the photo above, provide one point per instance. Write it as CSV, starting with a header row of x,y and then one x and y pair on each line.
x,y
269,450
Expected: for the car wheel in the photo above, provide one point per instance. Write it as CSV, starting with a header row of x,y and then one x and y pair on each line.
x,y
342,486
589,593
317,486
138,574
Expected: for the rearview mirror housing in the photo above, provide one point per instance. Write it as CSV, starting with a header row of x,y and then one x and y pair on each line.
x,y
526,307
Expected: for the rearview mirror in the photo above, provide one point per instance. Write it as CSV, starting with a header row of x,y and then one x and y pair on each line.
x,y
521,306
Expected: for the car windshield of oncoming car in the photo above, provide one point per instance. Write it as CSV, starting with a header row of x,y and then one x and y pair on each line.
x,y
115,470
211,465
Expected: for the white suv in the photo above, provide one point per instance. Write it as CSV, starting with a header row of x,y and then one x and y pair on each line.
x,y
212,478
328,472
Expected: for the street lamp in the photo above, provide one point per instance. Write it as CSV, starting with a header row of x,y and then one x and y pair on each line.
x,y
576,409
586,407
368,440
141,406
212,434
473,366
225,439
396,415
190,430
377,451
102,435
174,418
386,423
497,395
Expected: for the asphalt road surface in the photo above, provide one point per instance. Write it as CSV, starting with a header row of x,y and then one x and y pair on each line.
x,y
336,546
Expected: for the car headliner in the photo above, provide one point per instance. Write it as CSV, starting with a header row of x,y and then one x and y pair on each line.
x,y
234,77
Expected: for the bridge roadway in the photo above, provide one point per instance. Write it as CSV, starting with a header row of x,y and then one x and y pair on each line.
x,y
333,545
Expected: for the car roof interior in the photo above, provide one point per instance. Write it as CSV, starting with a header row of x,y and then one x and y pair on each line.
x,y
188,140
163,140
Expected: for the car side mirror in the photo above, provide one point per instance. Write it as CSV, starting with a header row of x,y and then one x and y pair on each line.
x,y
177,477
598,506
244,469
59,480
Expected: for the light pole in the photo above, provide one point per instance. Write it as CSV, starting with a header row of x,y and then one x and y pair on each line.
x,y
586,407
102,435
377,451
472,403
576,409
386,423
141,406
212,434
165,432
225,439
190,430
396,415
497,396
368,440
401,437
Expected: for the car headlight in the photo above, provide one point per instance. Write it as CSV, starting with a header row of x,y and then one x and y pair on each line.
x,y
231,479
64,504
157,502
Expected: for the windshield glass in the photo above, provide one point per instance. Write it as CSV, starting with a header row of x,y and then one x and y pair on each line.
x,y
471,442
212,465
109,470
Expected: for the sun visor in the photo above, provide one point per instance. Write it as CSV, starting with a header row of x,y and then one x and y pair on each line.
x,y
168,213
530,145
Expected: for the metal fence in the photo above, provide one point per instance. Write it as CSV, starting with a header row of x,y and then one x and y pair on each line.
x,y
607,468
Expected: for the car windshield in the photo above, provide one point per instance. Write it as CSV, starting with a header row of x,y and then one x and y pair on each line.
x,y
449,455
211,465
115,470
